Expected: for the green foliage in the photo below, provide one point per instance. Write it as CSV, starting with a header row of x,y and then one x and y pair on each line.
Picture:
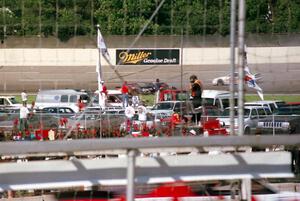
x,y
30,99
67,18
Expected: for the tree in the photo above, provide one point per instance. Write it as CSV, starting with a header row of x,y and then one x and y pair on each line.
x,y
67,18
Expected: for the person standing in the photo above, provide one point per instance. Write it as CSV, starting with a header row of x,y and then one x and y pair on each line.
x,y
125,91
24,97
135,98
104,88
24,112
157,84
80,105
103,95
196,88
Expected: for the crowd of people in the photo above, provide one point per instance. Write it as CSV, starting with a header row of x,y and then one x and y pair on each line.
x,y
134,103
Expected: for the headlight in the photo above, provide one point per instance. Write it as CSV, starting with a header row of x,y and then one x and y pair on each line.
x,y
260,124
285,124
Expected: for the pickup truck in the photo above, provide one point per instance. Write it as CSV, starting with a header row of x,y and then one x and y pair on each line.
x,y
286,120
9,101
217,98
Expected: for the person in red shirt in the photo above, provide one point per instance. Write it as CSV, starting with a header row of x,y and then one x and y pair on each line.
x,y
125,91
103,95
80,105
104,88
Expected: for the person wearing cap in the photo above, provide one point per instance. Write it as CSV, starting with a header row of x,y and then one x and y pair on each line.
x,y
192,132
196,88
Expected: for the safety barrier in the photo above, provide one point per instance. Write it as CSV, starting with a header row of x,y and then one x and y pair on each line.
x,y
136,168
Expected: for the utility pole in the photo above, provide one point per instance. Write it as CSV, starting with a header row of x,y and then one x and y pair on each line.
x,y
241,65
232,63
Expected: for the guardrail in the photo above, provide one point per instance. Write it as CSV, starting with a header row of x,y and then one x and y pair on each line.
x,y
134,168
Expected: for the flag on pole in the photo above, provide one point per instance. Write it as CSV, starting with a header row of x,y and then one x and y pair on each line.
x,y
251,79
102,51
101,45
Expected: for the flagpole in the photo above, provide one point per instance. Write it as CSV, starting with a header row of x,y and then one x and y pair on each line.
x,y
99,69
241,65
232,62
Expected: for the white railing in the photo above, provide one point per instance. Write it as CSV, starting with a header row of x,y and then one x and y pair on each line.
x,y
48,174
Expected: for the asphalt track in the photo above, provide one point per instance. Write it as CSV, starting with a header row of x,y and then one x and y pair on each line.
x,y
277,78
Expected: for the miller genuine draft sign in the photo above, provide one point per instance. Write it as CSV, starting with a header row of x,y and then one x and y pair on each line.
x,y
147,57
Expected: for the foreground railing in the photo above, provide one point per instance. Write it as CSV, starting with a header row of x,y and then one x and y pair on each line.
x,y
162,165
97,125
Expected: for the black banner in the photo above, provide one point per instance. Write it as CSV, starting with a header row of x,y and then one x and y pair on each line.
x,y
147,57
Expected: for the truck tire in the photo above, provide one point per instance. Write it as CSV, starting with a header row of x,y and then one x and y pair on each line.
x,y
247,131
220,83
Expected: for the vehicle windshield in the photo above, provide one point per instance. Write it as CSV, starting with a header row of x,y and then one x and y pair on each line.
x,y
288,111
212,112
226,112
208,101
164,106
149,116
280,104
145,84
182,96
13,100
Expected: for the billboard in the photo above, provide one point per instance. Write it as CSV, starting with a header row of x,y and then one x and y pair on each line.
x,y
147,57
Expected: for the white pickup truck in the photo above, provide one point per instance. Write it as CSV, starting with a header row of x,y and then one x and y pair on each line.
x,y
9,101
217,98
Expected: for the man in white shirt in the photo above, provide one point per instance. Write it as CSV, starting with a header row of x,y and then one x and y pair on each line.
x,y
24,112
24,97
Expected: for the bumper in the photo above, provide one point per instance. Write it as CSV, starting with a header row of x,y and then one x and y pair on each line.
x,y
263,131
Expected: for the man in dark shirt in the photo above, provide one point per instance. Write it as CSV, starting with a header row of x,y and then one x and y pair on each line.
x,y
196,88
157,84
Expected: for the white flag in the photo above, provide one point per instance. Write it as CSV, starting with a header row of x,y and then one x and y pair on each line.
x,y
250,79
101,45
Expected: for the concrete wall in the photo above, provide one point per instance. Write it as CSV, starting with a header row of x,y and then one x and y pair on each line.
x,y
46,63
191,56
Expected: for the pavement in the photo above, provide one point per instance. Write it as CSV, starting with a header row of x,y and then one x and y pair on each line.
x,y
276,78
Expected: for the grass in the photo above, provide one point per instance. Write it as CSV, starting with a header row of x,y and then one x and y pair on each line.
x,y
30,98
286,98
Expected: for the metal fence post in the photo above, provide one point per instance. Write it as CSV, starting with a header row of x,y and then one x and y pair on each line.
x,y
232,63
246,189
273,123
241,64
130,193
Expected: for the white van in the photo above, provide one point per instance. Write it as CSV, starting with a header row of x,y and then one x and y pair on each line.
x,y
60,98
217,98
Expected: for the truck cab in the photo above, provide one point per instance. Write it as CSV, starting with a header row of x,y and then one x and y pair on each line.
x,y
218,98
172,95
9,101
